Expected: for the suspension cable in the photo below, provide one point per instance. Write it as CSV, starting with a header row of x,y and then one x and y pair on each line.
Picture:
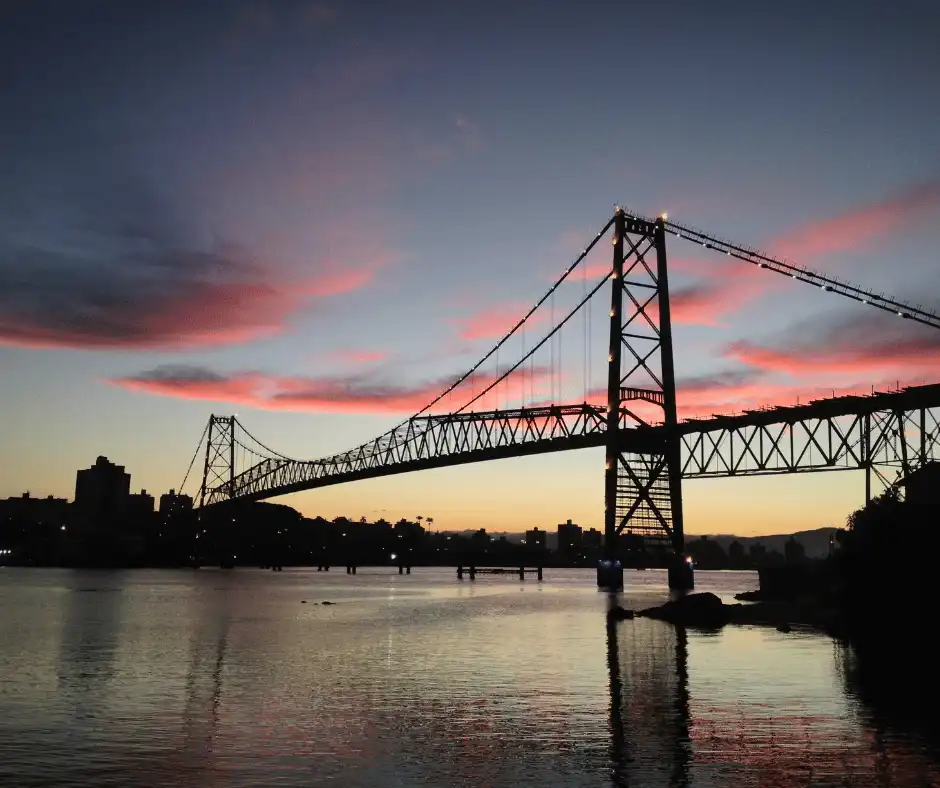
x,y
544,339
195,454
516,327
483,360
274,454
756,257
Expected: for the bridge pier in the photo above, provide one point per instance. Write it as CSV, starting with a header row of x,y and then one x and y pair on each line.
x,y
681,574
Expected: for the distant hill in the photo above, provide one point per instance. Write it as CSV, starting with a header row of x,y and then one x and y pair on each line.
x,y
815,542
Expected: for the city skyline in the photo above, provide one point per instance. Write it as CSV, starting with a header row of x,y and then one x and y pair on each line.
x,y
312,215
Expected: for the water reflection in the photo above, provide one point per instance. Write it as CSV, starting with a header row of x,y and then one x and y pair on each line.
x,y
201,715
89,642
649,703
158,679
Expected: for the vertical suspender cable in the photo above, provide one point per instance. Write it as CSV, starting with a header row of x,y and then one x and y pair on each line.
x,y
551,357
584,340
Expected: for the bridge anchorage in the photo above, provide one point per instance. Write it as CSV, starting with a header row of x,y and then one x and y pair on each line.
x,y
886,434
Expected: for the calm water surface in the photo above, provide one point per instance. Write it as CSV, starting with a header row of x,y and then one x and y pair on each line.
x,y
212,678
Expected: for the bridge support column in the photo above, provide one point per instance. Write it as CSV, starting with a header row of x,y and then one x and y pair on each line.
x,y
642,489
610,569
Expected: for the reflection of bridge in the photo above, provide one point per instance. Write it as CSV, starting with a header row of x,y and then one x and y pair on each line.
x,y
646,459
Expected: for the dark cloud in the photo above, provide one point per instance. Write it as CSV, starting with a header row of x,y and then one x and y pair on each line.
x,y
117,269
871,346
366,392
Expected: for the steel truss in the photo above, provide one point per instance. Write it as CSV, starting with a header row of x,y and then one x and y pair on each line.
x,y
219,471
886,431
428,442
642,489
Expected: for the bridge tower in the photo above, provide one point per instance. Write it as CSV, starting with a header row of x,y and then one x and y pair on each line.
x,y
220,456
642,489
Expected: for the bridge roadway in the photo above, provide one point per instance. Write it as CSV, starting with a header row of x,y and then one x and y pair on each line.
x,y
839,433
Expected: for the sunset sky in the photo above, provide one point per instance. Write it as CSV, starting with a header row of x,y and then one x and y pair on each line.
x,y
314,214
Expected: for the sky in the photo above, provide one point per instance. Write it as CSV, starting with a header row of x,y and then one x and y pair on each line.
x,y
316,214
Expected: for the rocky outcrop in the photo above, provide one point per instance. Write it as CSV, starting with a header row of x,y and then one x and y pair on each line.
x,y
694,610
619,613
707,611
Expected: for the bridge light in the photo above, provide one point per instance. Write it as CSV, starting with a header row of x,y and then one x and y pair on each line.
x,y
612,313
761,265
610,358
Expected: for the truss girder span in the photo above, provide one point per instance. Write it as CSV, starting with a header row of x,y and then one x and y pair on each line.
x,y
888,442
429,442
883,433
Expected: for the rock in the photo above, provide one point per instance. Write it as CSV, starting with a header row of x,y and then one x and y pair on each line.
x,y
327,603
303,601
694,610
784,628
620,613
750,596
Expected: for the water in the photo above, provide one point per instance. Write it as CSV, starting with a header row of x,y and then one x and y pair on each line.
x,y
212,678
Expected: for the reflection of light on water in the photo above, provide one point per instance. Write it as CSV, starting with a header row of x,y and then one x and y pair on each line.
x,y
429,681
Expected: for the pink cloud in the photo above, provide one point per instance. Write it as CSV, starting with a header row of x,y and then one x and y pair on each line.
x,y
860,227
123,311
892,357
353,394
494,322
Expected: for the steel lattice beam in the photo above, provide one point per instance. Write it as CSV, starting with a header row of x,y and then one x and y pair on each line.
x,y
430,442
898,430
888,430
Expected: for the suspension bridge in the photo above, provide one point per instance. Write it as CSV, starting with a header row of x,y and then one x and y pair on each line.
x,y
499,410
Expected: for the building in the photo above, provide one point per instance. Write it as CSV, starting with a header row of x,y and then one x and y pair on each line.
x,y
535,538
140,505
480,538
27,509
101,491
175,502
592,539
569,538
